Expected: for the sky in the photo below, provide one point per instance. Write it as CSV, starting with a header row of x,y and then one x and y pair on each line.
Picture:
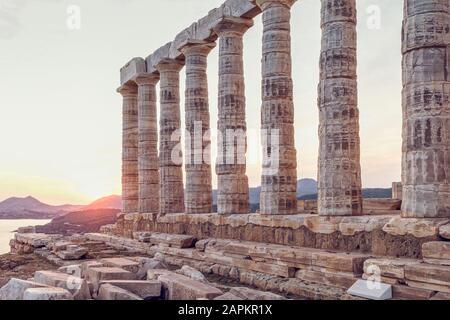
x,y
60,115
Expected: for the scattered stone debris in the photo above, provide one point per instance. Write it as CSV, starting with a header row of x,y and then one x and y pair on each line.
x,y
109,267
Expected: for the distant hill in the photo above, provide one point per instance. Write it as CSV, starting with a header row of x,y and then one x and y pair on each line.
x,y
304,187
110,202
80,222
368,193
31,208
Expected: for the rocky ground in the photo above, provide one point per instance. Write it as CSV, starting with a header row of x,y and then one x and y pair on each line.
x,y
80,222
21,266
42,267
155,266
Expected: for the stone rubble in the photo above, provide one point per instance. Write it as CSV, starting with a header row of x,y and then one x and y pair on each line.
x,y
145,289
310,273
15,289
108,291
48,293
192,273
77,286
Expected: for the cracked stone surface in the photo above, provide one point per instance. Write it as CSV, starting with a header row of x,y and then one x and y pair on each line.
x,y
339,175
232,193
130,179
148,144
426,109
279,172
170,153
198,193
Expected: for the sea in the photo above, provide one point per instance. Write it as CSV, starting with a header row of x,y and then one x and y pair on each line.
x,y
8,226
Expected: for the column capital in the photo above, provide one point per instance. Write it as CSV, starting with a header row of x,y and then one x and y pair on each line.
x,y
169,65
264,4
142,79
233,25
127,89
196,47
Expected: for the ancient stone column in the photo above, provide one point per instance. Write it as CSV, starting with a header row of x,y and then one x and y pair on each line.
x,y
148,144
130,180
339,168
170,153
198,194
426,108
279,175
232,193
397,190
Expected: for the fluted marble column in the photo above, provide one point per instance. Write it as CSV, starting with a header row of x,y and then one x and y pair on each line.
x,y
130,177
339,169
170,153
198,194
279,176
232,193
148,144
426,108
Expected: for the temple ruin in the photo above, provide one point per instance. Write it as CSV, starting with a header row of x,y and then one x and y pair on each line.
x,y
331,241
329,248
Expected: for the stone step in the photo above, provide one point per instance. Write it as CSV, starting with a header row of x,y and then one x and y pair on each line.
x,y
428,276
388,267
172,240
342,280
410,278
277,260
297,257
36,240
436,252
404,292
251,294
72,252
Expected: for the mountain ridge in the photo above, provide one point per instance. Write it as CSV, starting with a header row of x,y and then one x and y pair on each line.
x,y
31,208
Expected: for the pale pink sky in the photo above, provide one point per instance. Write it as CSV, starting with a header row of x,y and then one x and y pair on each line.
x,y
60,124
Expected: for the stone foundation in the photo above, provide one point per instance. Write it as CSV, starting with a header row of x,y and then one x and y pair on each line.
x,y
385,235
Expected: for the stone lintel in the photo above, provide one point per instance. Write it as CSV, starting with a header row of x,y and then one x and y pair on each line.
x,y
133,67
156,57
203,30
